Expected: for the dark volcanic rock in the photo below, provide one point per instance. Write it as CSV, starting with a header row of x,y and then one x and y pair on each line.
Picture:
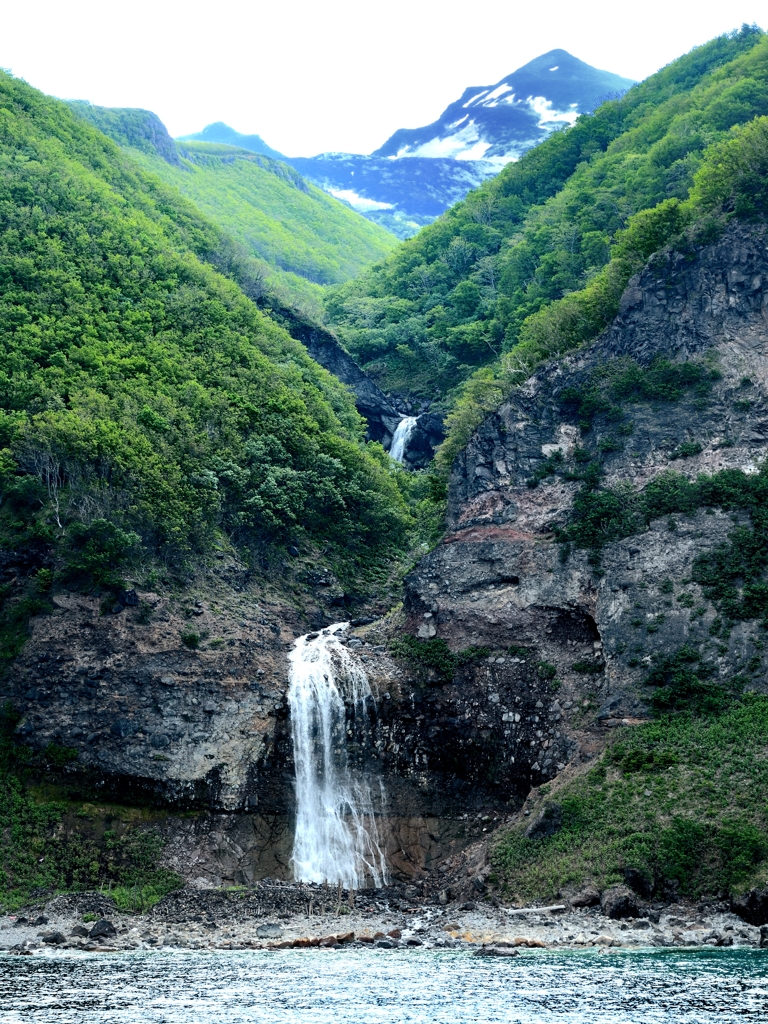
x,y
500,579
325,349
619,901
102,930
589,896
752,907
639,882
78,903
427,434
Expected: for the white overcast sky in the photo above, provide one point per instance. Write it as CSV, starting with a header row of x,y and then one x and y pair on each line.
x,y
330,74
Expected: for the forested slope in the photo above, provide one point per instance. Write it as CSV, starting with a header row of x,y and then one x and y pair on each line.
x,y
454,304
306,238
148,409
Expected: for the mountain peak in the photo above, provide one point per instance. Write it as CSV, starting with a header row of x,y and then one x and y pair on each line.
x,y
500,121
223,134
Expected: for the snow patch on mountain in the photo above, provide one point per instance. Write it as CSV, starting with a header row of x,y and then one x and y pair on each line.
x,y
547,115
419,172
359,203
512,115
462,144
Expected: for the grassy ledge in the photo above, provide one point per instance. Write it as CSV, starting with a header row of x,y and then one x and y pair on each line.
x,y
681,800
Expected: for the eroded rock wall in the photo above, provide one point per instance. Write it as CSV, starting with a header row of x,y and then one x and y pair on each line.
x,y
501,579
560,645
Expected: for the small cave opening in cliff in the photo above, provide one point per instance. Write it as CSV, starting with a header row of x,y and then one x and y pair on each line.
x,y
572,624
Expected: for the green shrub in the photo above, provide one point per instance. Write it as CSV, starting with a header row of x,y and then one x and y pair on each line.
x,y
545,670
624,380
686,450
639,759
57,756
190,638
586,667
682,800
435,654
97,555
152,405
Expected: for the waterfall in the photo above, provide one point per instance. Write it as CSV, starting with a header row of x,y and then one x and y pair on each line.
x,y
336,836
401,437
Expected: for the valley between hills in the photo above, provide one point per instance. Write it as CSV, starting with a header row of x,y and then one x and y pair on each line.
x,y
550,686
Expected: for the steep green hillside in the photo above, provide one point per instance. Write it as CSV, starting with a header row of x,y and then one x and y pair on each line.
x,y
305,234
147,408
454,303
306,238
680,802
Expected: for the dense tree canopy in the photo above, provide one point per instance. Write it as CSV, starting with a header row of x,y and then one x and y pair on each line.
x,y
302,238
146,405
450,307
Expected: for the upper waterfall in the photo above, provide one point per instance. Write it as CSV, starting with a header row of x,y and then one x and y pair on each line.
x,y
401,437
336,837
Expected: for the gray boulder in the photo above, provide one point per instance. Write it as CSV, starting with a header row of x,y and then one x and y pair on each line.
x,y
548,822
619,901
495,951
588,897
269,931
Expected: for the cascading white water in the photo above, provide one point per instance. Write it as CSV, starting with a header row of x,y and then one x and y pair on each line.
x,y
337,837
401,437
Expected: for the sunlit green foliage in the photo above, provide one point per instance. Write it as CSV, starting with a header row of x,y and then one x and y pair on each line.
x,y
681,801
625,381
306,237
534,262
146,405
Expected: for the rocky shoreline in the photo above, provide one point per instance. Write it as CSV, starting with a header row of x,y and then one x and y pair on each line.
x,y
286,916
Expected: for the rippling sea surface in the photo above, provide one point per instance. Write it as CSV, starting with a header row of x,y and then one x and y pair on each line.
x,y
369,986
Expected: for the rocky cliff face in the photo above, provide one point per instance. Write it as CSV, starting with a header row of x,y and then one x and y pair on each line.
x,y
501,578
151,717
551,644
129,126
371,402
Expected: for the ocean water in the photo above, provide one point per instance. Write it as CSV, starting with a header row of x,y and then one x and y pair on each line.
x,y
385,987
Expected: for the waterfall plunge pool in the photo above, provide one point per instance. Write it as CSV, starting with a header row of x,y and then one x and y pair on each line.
x,y
354,986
